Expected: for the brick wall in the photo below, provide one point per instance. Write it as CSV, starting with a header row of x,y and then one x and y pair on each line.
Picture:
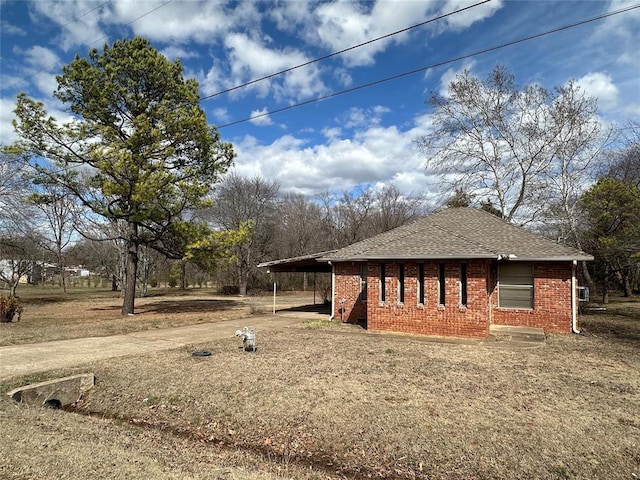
x,y
430,318
347,288
551,299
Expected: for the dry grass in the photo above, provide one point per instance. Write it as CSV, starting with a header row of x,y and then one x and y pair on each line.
x,y
50,315
342,403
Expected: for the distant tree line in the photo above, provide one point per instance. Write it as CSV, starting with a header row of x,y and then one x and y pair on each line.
x,y
137,189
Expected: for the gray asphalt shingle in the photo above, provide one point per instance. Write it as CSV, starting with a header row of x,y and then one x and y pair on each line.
x,y
458,233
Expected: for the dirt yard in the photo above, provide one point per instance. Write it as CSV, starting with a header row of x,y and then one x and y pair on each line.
x,y
340,402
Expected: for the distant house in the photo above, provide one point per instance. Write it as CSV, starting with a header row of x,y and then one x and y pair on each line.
x,y
453,273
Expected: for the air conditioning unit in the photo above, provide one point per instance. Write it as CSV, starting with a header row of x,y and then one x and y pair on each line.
x,y
583,294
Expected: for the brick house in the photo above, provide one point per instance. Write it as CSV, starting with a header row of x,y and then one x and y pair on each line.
x,y
454,273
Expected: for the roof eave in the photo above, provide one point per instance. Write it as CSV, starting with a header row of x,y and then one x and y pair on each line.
x,y
568,258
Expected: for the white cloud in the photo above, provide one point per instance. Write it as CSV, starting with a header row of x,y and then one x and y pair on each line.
x,y
340,25
41,57
45,82
173,52
82,29
251,59
9,29
262,119
7,134
372,155
601,86
363,117
200,21
332,133
468,17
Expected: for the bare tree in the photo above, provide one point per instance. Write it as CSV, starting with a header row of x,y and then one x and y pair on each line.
x,y
15,217
355,215
393,209
238,201
300,227
501,144
59,209
17,261
577,157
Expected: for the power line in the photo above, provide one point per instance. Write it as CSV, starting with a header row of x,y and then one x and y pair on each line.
x,y
428,67
339,52
75,19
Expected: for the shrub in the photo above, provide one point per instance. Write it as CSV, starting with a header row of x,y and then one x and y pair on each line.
x,y
9,307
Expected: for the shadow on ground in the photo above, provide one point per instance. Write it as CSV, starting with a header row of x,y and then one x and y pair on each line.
x,y
178,306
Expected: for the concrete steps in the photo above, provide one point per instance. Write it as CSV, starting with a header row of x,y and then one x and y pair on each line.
x,y
520,334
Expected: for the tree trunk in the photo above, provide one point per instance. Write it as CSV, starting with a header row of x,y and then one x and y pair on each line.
x,y
605,284
13,285
626,283
131,271
114,283
183,275
243,285
587,277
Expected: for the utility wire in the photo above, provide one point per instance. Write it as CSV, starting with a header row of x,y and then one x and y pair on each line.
x,y
428,67
339,52
75,19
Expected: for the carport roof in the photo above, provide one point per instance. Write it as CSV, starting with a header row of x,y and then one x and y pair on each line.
x,y
303,263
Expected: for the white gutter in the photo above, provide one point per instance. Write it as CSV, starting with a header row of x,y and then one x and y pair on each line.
x,y
333,289
574,313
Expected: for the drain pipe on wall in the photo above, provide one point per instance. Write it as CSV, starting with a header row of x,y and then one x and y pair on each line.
x,y
333,290
574,313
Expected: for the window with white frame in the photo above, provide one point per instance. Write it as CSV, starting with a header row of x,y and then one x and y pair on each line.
x,y
515,285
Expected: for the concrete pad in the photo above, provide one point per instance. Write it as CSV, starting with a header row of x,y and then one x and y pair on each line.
x,y
526,334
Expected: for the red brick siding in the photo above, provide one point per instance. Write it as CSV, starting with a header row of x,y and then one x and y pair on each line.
x,y
452,319
347,287
551,299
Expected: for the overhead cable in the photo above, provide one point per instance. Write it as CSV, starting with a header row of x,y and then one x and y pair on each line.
x,y
340,52
429,67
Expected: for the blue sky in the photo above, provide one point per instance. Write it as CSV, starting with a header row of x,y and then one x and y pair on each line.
x,y
360,139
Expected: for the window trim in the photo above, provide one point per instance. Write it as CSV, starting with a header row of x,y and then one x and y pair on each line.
x,y
383,286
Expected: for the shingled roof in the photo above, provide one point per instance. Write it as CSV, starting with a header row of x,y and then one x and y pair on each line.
x,y
460,233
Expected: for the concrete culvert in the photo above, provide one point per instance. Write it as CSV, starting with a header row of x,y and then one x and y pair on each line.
x,y
57,393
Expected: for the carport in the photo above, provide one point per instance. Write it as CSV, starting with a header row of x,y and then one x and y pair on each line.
x,y
309,263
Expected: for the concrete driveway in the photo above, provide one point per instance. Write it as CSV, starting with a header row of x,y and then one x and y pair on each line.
x,y
19,360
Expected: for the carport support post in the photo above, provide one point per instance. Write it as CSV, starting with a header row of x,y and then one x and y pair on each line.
x,y
274,294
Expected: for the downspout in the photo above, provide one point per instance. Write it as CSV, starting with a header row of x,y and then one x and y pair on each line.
x,y
333,290
574,312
